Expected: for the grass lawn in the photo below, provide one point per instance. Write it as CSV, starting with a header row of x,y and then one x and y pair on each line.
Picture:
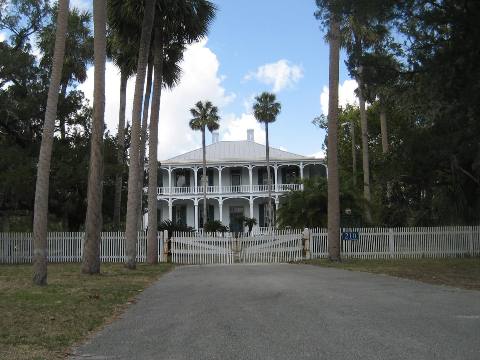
x,y
43,322
462,272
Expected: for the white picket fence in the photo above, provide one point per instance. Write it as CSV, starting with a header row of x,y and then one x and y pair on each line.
x,y
416,242
274,247
17,248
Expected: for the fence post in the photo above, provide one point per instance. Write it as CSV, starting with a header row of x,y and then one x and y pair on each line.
x,y
391,246
306,243
470,241
165,245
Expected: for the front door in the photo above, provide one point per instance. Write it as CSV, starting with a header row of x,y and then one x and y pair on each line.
x,y
236,218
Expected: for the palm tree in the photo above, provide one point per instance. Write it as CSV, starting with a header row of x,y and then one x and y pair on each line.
x,y
124,54
186,22
266,110
332,152
365,156
93,220
167,73
143,134
205,115
78,51
383,129
250,223
354,153
134,169
40,214
173,29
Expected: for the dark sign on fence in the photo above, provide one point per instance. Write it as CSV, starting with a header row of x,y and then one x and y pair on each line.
x,y
350,235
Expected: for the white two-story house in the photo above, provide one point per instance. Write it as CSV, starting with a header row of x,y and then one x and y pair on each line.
x,y
237,182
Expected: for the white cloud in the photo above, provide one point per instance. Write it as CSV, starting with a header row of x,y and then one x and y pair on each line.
x,y
319,155
200,81
248,102
280,74
346,95
235,128
2,36
112,93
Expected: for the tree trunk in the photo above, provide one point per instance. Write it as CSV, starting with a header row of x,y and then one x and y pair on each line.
x,y
354,154
152,242
204,178
143,139
93,220
40,217
332,151
63,92
131,232
120,151
383,127
267,155
365,161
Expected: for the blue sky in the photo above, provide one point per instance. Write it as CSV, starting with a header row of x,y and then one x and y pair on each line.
x,y
252,46
249,34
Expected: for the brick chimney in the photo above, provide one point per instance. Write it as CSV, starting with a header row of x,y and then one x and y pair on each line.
x,y
215,137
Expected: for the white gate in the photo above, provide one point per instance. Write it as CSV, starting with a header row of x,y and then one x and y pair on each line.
x,y
275,247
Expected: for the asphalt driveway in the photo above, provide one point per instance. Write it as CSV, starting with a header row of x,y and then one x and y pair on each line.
x,y
291,312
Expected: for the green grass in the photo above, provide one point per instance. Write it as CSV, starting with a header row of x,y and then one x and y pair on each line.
x,y
43,322
458,272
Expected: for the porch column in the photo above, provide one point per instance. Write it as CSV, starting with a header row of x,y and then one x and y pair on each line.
x,y
277,205
250,174
220,168
170,180
220,209
301,174
251,206
170,209
195,179
275,170
195,204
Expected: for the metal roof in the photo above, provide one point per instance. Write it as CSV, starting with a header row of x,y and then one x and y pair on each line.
x,y
223,151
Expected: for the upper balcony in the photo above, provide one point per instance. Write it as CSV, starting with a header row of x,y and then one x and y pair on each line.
x,y
228,189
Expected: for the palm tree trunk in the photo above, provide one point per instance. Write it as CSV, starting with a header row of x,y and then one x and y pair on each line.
x,y
354,154
267,155
383,127
365,160
143,138
63,92
332,150
204,178
120,150
93,220
131,232
40,212
152,243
